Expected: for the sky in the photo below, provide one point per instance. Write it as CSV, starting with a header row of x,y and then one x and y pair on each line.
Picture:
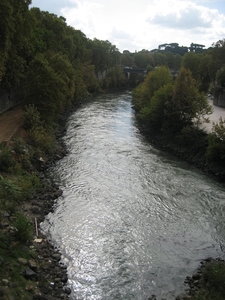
x,y
143,24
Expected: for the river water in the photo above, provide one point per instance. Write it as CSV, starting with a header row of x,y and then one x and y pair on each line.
x,y
133,221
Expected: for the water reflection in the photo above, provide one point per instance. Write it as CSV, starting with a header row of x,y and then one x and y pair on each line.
x,y
133,221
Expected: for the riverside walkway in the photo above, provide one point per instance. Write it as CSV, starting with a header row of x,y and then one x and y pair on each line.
x,y
10,122
214,117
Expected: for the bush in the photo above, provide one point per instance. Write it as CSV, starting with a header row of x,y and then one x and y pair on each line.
x,y
23,228
216,147
31,117
42,140
6,160
220,77
9,190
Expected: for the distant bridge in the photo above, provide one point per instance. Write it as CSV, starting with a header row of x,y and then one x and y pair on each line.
x,y
137,70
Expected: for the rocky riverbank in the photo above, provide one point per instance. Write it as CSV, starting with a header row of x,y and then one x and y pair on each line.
x,y
46,277
36,262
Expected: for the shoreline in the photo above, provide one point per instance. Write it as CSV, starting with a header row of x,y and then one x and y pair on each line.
x,y
47,271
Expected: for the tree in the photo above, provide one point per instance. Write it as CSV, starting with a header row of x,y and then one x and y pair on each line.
x,y
45,88
127,60
14,34
143,59
216,147
153,82
199,65
153,115
104,56
187,105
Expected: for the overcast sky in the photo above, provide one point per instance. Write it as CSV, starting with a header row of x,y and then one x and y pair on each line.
x,y
143,24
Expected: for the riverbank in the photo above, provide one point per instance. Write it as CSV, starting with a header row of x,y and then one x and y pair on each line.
x,y
39,253
191,150
30,264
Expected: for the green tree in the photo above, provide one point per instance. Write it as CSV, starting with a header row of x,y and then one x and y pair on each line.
x,y
153,115
187,105
216,147
104,56
153,82
143,59
15,47
45,88
199,65
160,59
127,60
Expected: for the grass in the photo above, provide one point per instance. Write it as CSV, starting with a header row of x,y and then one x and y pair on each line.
x,y
212,282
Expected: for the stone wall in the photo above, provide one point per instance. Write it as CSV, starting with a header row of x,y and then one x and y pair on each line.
x,y
10,99
219,98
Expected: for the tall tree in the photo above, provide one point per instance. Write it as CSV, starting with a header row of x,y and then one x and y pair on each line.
x,y
187,105
153,82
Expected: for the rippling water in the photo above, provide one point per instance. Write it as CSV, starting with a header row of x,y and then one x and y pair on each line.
x,y
132,221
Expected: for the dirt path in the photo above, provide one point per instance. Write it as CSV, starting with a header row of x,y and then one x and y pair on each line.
x,y
10,122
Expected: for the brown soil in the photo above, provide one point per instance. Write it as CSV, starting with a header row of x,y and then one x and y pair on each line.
x,y
10,123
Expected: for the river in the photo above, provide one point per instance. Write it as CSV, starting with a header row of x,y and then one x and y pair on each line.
x,y
132,221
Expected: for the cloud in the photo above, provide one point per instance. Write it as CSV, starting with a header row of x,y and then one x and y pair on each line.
x,y
54,6
183,15
143,24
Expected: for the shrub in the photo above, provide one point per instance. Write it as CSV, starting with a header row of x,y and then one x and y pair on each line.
x,y
42,140
9,190
31,117
6,160
220,77
216,147
23,228
28,185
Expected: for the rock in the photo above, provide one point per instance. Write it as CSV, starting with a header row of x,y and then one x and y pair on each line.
x,y
22,261
39,297
56,256
67,290
64,278
39,241
5,282
4,224
64,296
30,274
32,264
196,276
44,289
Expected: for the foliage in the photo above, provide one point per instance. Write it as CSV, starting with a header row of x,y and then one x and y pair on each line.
x,y
31,117
104,55
9,190
114,79
199,65
216,147
45,88
154,114
143,59
40,137
23,228
212,283
220,77
6,160
127,60
187,105
153,82
42,140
